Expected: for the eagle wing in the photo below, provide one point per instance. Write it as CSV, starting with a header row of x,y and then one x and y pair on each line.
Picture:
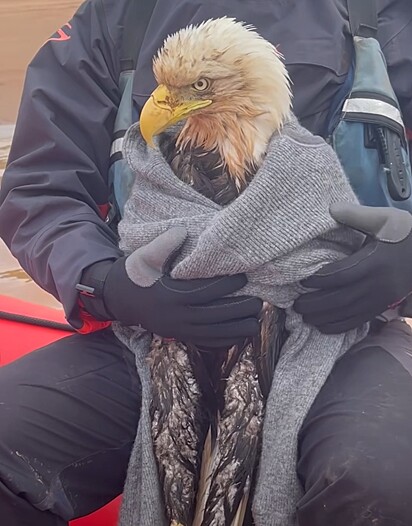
x,y
216,453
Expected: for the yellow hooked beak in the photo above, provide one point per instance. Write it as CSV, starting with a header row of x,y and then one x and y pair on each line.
x,y
161,111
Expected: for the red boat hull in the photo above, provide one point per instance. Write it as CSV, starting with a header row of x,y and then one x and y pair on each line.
x,y
18,339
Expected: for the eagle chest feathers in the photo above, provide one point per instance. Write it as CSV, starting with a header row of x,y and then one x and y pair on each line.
x,y
205,171
230,88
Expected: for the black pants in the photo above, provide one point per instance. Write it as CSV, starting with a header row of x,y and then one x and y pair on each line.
x,y
68,417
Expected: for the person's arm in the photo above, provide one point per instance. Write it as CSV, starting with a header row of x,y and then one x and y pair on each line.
x,y
54,194
55,185
362,286
396,42
365,284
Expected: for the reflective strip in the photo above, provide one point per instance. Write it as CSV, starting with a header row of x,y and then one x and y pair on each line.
x,y
117,146
374,107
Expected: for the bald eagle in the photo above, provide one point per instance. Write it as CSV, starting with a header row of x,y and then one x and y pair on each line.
x,y
230,89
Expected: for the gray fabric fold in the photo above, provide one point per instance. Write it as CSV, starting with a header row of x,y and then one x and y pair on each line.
x,y
278,231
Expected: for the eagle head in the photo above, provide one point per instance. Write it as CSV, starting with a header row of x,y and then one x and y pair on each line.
x,y
229,85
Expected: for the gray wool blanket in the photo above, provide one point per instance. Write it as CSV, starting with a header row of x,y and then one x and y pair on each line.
x,y
278,231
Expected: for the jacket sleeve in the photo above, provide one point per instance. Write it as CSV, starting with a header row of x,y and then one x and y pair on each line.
x,y
55,185
396,41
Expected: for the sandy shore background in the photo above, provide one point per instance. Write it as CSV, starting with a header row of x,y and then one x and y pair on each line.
x,y
24,26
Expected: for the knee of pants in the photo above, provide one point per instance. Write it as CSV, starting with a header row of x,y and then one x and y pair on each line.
x,y
16,431
11,427
20,468
67,426
357,488
355,461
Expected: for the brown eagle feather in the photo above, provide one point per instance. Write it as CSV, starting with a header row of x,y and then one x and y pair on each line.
x,y
232,90
210,400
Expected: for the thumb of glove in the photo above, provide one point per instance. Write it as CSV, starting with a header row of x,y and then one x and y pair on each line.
x,y
150,262
390,225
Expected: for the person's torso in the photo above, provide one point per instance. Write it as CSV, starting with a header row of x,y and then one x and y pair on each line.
x,y
315,43
312,35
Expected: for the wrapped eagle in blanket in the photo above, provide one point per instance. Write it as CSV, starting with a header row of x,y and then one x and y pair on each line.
x,y
227,182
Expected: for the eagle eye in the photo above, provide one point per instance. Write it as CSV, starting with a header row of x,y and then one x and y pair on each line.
x,y
201,84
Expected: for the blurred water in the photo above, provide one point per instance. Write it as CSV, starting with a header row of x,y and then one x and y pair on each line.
x,y
16,283
6,133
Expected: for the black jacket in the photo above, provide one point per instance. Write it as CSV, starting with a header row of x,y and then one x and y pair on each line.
x,y
54,190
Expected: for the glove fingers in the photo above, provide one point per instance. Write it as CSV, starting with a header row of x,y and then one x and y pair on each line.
x,y
346,271
365,219
325,300
382,223
146,264
353,322
361,310
226,309
200,291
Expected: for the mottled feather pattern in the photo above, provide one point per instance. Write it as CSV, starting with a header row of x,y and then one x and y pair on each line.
x,y
205,172
236,447
211,401
177,420
208,407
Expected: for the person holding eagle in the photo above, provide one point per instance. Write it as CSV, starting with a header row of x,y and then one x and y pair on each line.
x,y
206,239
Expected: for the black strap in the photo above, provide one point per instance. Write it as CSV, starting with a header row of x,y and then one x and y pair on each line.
x,y
137,18
21,318
363,18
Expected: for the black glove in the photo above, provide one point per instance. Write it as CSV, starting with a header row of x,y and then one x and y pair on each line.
x,y
135,291
361,286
